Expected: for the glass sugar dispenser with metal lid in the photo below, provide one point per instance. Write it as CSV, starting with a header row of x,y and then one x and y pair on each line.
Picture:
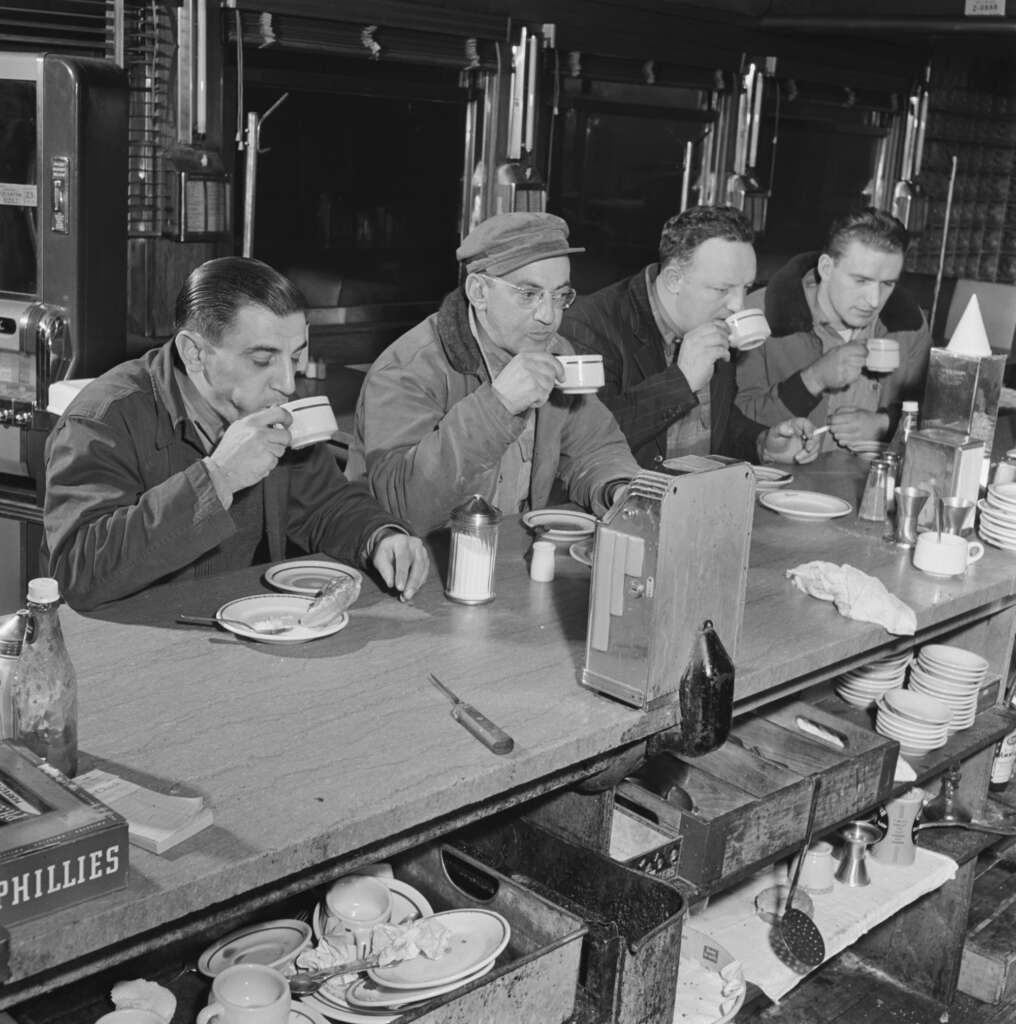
x,y
45,688
474,531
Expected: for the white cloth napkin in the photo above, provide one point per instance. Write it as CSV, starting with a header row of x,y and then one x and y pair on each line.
x,y
969,337
855,594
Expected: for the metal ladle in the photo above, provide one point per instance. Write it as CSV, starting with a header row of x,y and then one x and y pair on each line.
x,y
797,930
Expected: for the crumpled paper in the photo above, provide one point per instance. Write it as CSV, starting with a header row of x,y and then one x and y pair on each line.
x,y
855,594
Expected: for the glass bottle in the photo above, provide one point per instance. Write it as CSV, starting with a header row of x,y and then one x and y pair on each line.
x,y
906,426
1004,760
12,635
45,685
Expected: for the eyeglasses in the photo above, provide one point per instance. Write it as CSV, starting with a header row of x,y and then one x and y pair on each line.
x,y
529,297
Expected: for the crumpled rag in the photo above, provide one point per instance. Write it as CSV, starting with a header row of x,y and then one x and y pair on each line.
x,y
855,594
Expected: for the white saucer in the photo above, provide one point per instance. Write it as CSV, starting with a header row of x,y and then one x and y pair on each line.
x,y
345,1016
272,944
366,994
300,1013
478,936
582,551
580,391
307,577
561,525
805,505
263,606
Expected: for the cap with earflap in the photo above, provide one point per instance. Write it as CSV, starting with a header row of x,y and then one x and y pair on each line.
x,y
507,241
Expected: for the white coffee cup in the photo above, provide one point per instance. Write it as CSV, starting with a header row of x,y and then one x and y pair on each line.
x,y
356,904
883,355
313,420
248,994
817,868
582,374
948,556
748,329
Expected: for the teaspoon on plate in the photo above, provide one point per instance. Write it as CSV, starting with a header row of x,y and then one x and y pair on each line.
x,y
270,625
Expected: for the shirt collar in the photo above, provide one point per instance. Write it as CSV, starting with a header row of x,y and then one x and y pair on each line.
x,y
208,423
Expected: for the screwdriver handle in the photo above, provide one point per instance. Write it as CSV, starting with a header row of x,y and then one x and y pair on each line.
x,y
492,737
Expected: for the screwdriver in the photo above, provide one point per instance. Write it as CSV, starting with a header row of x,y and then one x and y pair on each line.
x,y
479,725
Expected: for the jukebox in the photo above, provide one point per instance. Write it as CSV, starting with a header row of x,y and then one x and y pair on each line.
x,y
63,266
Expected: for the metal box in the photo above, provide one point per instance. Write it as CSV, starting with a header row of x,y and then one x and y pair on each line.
x,y
961,393
943,463
535,978
673,554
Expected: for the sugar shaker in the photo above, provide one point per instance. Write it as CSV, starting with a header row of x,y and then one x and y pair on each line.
x,y
474,529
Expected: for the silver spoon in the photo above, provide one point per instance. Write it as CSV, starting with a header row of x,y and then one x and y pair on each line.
x,y
270,625
307,982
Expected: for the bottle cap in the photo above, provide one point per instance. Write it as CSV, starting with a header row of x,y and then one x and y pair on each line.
x,y
43,590
910,406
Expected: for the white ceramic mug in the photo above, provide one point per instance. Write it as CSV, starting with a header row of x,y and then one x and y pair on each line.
x,y
817,868
582,374
748,329
248,994
883,355
356,904
948,556
313,421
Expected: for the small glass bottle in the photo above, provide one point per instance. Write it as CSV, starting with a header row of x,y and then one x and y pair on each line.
x,y
906,426
12,635
1004,760
473,552
45,685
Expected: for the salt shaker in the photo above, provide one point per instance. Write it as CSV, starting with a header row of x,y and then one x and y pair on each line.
x,y
873,503
473,552
541,563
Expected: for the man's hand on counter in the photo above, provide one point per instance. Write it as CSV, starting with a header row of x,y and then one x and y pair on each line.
x,y
402,562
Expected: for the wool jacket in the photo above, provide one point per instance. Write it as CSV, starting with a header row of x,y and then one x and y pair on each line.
x,y
645,394
431,431
130,502
769,377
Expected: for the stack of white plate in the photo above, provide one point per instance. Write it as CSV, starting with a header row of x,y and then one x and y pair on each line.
x,y
952,675
863,686
917,722
997,523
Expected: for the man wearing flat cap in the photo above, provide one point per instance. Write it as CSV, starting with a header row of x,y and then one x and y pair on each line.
x,y
464,403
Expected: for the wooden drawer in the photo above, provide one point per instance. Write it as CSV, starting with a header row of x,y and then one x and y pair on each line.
x,y
535,978
751,796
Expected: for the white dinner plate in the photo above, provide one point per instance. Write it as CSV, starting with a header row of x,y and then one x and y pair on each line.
x,y
346,1015
477,937
366,994
768,477
408,904
582,551
261,607
805,505
561,525
272,943
307,577
300,1013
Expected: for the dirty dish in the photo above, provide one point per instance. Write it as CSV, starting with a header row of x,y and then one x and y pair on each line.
x,y
477,937
243,615
408,904
307,577
302,1014
560,525
805,506
345,1014
366,994
582,551
270,944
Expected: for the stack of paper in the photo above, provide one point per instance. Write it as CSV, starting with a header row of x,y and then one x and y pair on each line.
x,y
970,338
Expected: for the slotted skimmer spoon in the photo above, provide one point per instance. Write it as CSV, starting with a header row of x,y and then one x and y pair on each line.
x,y
798,931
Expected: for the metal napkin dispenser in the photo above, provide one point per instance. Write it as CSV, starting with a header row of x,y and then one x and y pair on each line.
x,y
962,393
943,463
671,554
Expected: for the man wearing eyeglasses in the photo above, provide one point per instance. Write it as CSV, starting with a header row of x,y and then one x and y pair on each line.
x,y
666,347
464,403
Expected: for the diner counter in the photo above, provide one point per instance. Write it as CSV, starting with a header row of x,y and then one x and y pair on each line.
x,y
319,757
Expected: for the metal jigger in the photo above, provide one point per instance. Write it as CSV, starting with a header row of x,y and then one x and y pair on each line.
x,y
909,502
954,513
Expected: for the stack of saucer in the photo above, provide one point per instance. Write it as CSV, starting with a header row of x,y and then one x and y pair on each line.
x,y
997,523
863,686
951,675
917,722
